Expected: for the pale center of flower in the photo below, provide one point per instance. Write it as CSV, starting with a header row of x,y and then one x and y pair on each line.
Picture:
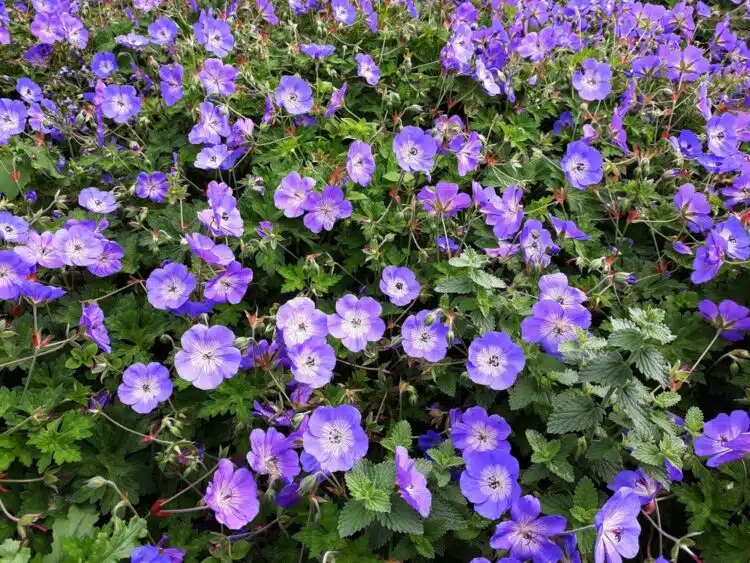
x,y
338,438
494,482
397,288
357,324
424,339
492,361
205,358
483,437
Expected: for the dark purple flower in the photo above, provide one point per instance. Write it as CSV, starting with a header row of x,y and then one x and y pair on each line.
x,y
324,209
156,554
208,356
730,318
490,482
171,83
230,285
476,431
217,77
536,242
721,135
169,287
617,528
424,336
736,237
232,495
337,101
444,199
645,487
313,362
594,82
495,361
446,245
294,95
356,322
415,150
567,229
528,536
334,437
92,319
724,438
143,387
97,201
38,293
551,324
215,35
292,194
29,90
582,165
299,320
272,453
694,208
563,122
412,485
213,158
317,51
120,103
360,163
400,285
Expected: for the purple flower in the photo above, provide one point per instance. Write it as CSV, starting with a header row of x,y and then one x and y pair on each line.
x,y
334,438
215,35
38,293
108,262
412,485
554,287
551,324
163,31
528,535
213,125
694,208
74,31
40,250
729,317
208,356
92,319
29,90
294,95
218,78
582,165
446,245
505,213
686,65
272,453
223,218
567,229
232,495
722,438
169,287
47,28
617,528
643,486
415,150
367,69
360,163
337,100
171,83
424,336
721,135
312,362
230,285
132,40
495,361
594,82
736,237
400,285
120,103
97,201
490,482
324,209
78,246
153,186
269,12
143,387
709,258
12,119
317,51
156,554
292,194
13,229
468,151
206,249
444,199
536,241
476,431
103,64
356,322
13,271
299,320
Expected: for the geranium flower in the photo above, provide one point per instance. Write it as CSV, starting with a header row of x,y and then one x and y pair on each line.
x,y
412,485
312,362
298,320
617,528
367,69
212,126
643,486
108,262
324,209
495,361
92,319
13,229
730,318
415,150
215,35
528,535
356,322
232,495
103,64
490,482
334,438
153,186
121,103
294,95
97,201
171,83
292,194
476,431
163,31
230,285
218,78
722,438
400,285
360,163
206,249
551,324
38,293
424,337
554,287
272,453
170,286
594,82
39,249
582,165
208,356
444,199
143,386
317,51
78,246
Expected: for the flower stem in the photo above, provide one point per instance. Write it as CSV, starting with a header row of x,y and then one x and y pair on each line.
x,y
574,530
700,359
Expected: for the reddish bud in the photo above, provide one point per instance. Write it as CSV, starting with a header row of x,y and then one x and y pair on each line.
x,y
156,509
15,175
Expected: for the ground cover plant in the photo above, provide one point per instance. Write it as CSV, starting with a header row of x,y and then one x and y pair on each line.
x,y
360,281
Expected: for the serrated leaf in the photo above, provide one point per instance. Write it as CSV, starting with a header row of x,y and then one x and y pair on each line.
x,y
79,523
586,499
646,452
573,412
629,339
607,369
667,399
402,518
562,468
633,402
459,284
353,518
486,280
650,362
398,435
11,551
694,420
423,545
673,448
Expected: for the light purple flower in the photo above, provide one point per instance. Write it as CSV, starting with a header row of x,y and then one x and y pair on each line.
x,y
92,320
47,28
272,453
736,237
97,201
13,229
208,356
643,486
412,485
171,83
153,186
132,40
495,361
337,101
490,482
230,285
324,209
143,387
294,95
476,431
360,163
169,287
536,242
163,31
156,554
504,213
528,536
217,77
317,51
213,158
292,194
312,362
299,320
13,271
212,126
444,199
594,82
567,229
617,528
721,438
367,69
120,103
400,285
424,336
721,135
232,495
12,119
29,90
551,324
215,35
108,262
334,437
206,249
709,258
223,218
78,246
37,293
730,318
554,287
468,152
415,150
686,65
582,165
39,249
356,322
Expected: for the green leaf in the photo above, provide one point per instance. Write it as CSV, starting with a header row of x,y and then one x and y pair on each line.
x,y
469,258
585,501
79,523
628,339
353,518
633,402
561,467
12,552
573,411
372,485
651,363
673,448
607,369
694,420
544,451
11,188
457,284
399,435
646,452
59,437
402,518
117,539
486,280
423,545
667,399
